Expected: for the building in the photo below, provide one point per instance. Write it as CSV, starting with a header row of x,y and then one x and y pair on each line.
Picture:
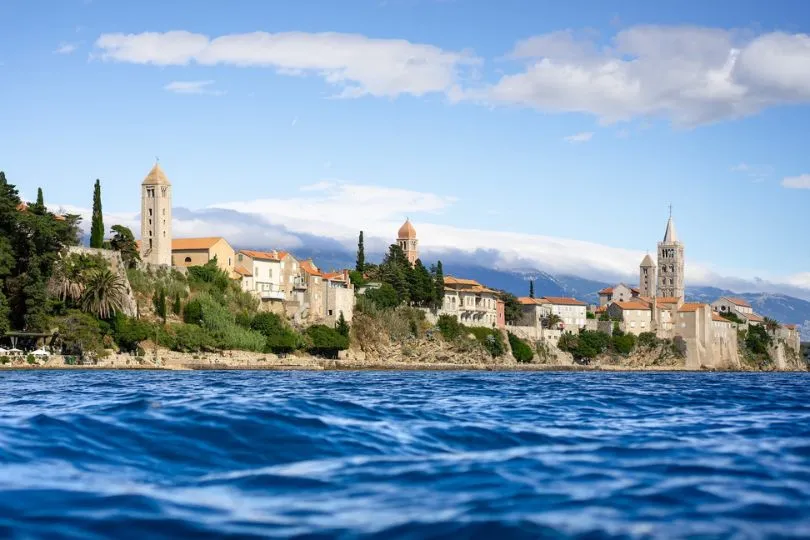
x,y
571,311
470,302
670,263
619,293
338,297
188,252
156,218
646,277
636,316
406,240
263,269
726,304
534,311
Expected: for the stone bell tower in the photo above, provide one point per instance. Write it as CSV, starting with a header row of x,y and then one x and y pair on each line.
x,y
646,277
406,239
156,218
670,263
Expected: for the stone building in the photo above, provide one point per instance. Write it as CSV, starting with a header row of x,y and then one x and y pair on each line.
x,y
188,252
670,264
619,293
156,218
406,240
261,275
646,277
636,316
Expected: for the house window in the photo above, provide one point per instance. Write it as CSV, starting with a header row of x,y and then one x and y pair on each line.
x,y
239,257
188,259
229,261
270,273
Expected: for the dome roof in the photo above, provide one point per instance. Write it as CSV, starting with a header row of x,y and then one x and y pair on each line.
x,y
156,177
407,231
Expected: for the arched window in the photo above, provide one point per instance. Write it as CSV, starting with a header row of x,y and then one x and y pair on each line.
x,y
187,259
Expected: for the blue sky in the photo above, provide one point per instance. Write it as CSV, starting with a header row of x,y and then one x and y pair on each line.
x,y
557,134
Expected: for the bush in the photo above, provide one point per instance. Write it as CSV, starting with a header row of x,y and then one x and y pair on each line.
x,y
189,338
520,350
624,343
4,360
588,344
220,323
385,297
192,314
267,324
647,340
449,327
209,274
79,333
325,341
30,359
758,340
492,340
280,338
128,333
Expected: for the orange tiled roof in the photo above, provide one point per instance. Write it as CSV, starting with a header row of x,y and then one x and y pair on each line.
x,y
335,276
691,307
242,271
738,302
606,290
526,301
667,300
633,305
450,280
309,268
562,301
600,309
753,317
263,255
718,318
194,244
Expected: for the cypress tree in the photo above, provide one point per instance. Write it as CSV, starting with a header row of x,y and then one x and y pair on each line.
x,y
342,326
361,254
438,298
97,226
531,289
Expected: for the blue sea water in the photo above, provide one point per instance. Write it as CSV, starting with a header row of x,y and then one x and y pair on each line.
x,y
403,455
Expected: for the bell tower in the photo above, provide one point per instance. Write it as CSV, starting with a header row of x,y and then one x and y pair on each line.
x,y
156,218
646,277
406,240
670,262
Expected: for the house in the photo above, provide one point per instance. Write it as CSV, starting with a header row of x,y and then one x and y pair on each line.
x,y
571,311
338,296
721,322
264,271
188,252
726,304
636,316
470,302
619,293
534,311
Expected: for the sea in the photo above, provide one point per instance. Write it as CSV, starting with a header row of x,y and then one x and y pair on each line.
x,y
386,454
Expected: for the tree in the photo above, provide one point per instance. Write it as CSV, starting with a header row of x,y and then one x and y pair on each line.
x,y
361,255
531,288
79,334
104,294
771,325
325,341
159,300
449,327
552,320
512,310
420,285
39,206
123,241
396,271
384,297
177,306
438,284
520,350
40,198
97,223
342,326
623,343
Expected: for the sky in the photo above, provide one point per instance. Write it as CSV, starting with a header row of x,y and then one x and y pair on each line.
x,y
554,134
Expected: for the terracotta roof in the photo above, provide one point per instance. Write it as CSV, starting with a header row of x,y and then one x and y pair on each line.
x,y
753,317
450,280
600,309
407,231
691,307
667,300
309,268
335,276
790,326
156,177
606,290
22,207
193,244
718,318
562,301
738,302
263,255
526,301
242,271
630,306
634,289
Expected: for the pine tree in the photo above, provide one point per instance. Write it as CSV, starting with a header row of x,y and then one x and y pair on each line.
x,y
160,304
177,307
40,198
342,326
361,254
438,295
97,224
531,289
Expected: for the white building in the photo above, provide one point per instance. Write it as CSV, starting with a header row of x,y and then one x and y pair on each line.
x,y
636,316
619,293
264,271
470,302
738,306
570,310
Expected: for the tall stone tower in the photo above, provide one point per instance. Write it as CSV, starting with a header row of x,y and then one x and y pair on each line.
x,y
646,277
406,239
670,263
156,218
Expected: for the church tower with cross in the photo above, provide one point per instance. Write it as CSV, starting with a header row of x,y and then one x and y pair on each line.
x,y
156,218
670,263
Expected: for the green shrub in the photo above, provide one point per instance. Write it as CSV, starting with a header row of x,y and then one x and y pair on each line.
x,y
624,343
209,274
80,333
492,340
267,324
30,359
190,338
220,323
283,342
758,340
325,341
449,327
647,340
588,344
192,314
342,326
4,360
520,349
128,333
385,297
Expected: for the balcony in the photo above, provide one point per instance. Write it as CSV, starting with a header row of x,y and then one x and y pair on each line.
x,y
300,283
271,295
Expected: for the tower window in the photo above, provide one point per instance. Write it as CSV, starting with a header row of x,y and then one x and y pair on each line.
x,y
150,212
187,259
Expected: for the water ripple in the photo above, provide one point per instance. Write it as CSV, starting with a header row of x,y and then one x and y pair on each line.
x,y
403,455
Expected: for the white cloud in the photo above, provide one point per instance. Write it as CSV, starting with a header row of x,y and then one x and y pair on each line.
x,y
690,75
66,48
355,63
585,136
192,87
757,173
797,182
318,186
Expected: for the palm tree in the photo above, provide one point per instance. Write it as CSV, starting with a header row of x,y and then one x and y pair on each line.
x,y
553,320
772,325
104,293
67,280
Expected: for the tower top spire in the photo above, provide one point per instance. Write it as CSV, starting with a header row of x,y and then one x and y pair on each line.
x,y
156,177
670,236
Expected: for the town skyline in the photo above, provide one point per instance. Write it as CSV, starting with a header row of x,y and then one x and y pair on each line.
x,y
535,181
